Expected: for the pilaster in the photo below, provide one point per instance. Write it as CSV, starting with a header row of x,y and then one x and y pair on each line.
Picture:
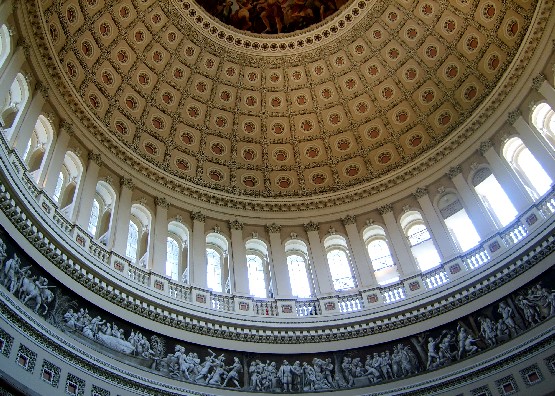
x,y
363,272
406,264
320,263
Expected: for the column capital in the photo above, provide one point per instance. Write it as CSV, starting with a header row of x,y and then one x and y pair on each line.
x,y
385,209
236,225
311,226
273,228
67,127
21,42
485,146
127,183
454,171
162,202
538,81
513,116
42,88
349,219
198,216
420,192
96,158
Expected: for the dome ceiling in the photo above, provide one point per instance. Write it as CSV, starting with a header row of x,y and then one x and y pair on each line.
x,y
340,104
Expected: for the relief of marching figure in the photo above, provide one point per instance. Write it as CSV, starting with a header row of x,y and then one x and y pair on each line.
x,y
32,290
490,326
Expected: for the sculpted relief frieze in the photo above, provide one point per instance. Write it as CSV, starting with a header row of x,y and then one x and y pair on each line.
x,y
507,318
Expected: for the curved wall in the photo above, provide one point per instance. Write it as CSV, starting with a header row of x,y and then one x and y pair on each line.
x,y
507,278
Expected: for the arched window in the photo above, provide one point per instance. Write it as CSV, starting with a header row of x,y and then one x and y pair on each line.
x,y
38,146
527,168
132,241
105,197
494,198
257,267
172,261
139,235
5,45
543,118
177,258
339,263
460,227
379,253
68,182
93,220
420,241
58,189
216,260
297,265
12,102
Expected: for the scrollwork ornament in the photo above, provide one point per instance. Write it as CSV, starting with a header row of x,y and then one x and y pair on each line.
x,y
162,202
538,81
42,88
311,226
485,146
96,158
127,183
198,216
349,219
273,228
420,192
387,208
454,171
513,116
67,127
236,225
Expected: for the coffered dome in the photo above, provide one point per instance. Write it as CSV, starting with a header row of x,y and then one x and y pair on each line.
x,y
373,95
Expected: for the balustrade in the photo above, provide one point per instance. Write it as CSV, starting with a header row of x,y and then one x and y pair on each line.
x,y
139,275
308,308
350,303
266,308
393,294
179,291
514,233
435,279
222,303
476,258
49,215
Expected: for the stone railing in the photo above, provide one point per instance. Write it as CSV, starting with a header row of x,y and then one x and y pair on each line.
x,y
98,259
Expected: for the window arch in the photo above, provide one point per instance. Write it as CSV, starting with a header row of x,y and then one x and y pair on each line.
x,y
93,219
543,119
494,198
527,168
105,198
296,253
177,253
39,145
420,241
172,258
68,182
339,262
460,226
132,241
257,267
59,185
216,260
139,234
13,102
379,253
5,45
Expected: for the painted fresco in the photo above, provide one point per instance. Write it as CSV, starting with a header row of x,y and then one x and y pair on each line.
x,y
271,16
493,325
